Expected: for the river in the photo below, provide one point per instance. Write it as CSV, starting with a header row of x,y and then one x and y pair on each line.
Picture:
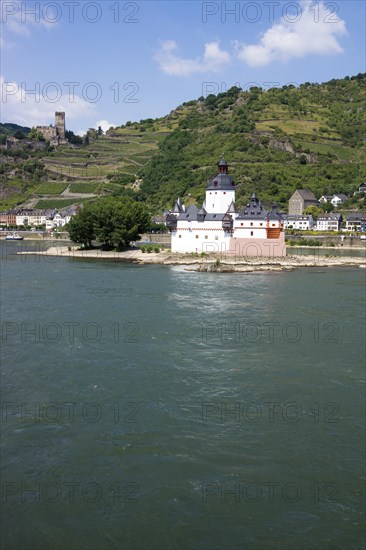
x,y
146,407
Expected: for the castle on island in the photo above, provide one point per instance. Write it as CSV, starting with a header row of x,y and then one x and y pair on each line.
x,y
219,226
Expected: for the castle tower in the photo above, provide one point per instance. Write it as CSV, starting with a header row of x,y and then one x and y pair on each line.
x,y
220,192
60,125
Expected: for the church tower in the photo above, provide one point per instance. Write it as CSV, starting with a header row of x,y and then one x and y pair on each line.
x,y
220,193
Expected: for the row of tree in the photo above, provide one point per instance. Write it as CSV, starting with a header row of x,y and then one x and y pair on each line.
x,y
111,222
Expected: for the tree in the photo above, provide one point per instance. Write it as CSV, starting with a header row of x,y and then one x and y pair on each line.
x,y
314,211
110,221
72,138
303,159
37,136
327,207
100,132
81,227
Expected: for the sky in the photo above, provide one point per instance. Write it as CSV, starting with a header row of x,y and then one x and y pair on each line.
x,y
107,62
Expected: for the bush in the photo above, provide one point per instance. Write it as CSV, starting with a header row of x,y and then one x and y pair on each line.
x,y
150,248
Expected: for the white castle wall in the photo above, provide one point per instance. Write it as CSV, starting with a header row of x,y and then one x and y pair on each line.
x,y
199,237
218,201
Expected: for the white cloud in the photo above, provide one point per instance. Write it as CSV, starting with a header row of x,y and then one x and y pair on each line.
x,y
105,125
314,32
5,44
29,109
20,18
213,59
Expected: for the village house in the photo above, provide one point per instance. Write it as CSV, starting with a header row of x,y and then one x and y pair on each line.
x,y
8,218
329,222
301,199
336,200
356,222
362,188
49,218
303,223
31,217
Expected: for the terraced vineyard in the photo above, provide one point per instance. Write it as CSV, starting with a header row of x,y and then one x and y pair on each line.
x,y
51,188
55,203
84,187
108,164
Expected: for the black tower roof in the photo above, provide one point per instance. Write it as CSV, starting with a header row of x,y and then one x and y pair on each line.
x,y
222,182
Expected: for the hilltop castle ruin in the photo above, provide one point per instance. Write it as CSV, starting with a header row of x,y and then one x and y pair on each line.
x,y
55,134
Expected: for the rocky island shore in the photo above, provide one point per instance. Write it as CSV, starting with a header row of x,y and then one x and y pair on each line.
x,y
220,263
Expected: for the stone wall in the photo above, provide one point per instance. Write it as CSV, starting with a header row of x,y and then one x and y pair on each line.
x,y
48,132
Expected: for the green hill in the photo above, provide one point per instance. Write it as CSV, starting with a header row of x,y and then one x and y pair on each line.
x,y
9,129
275,141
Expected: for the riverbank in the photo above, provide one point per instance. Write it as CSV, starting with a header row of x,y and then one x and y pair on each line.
x,y
210,262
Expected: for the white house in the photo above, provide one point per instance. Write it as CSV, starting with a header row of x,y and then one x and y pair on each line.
x,y
338,199
329,222
356,222
335,200
31,217
325,198
218,226
303,222
59,220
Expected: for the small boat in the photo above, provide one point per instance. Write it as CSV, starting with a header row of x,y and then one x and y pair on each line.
x,y
13,237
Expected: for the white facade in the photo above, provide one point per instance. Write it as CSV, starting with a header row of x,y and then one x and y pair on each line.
x,y
335,200
31,218
303,223
218,201
330,222
356,222
200,237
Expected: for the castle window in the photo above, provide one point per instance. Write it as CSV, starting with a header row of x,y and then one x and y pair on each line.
x,y
197,236
251,224
242,224
251,233
261,224
216,238
206,237
180,236
224,192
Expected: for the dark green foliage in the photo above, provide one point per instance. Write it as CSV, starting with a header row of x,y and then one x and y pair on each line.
x,y
111,222
10,129
36,136
72,138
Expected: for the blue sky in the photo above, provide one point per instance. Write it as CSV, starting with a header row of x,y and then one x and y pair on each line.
x,y
112,61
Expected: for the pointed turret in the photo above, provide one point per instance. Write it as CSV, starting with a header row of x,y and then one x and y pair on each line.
x,y
201,214
232,208
178,207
